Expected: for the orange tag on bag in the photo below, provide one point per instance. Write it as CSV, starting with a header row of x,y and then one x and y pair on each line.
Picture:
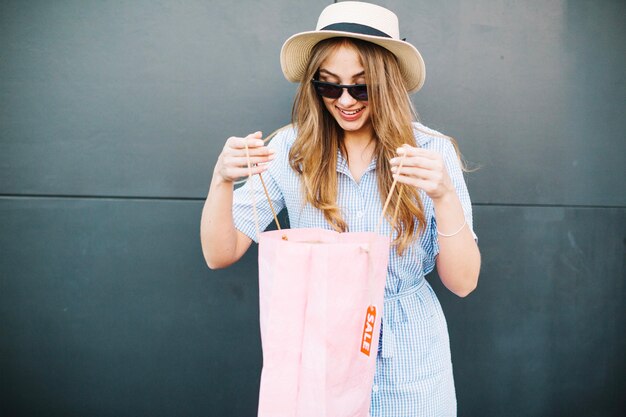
x,y
368,330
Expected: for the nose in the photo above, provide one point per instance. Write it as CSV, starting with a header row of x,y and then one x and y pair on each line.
x,y
346,100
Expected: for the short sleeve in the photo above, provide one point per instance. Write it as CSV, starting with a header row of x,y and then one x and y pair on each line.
x,y
430,244
453,165
252,190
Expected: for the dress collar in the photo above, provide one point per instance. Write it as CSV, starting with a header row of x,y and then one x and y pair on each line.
x,y
342,164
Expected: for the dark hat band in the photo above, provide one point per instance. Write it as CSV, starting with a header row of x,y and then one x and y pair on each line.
x,y
356,28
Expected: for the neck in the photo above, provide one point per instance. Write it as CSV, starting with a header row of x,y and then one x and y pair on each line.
x,y
357,140
359,146
359,150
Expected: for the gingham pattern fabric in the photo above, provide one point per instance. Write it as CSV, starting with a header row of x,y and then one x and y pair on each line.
x,y
413,368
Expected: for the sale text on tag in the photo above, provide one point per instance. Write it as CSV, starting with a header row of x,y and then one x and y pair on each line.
x,y
368,330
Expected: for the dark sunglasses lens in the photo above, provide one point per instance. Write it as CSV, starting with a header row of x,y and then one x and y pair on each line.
x,y
359,93
326,90
335,91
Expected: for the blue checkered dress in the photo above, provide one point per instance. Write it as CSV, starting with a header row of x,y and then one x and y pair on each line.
x,y
413,367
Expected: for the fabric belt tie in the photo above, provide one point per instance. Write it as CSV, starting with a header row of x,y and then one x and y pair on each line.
x,y
395,311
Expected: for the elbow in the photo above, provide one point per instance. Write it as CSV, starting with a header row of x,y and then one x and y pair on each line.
x,y
213,256
471,283
215,262
470,280
464,292
460,275
213,265
464,287
220,252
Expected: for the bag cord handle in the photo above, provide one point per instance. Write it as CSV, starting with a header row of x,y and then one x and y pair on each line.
x,y
367,247
269,200
252,190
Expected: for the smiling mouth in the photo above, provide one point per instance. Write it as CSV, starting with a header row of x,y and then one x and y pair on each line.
x,y
351,113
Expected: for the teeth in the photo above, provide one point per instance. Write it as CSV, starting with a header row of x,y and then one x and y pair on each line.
x,y
350,113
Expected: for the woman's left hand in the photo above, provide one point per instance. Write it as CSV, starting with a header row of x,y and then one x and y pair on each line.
x,y
423,169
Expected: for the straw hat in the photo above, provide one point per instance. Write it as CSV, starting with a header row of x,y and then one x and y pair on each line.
x,y
353,19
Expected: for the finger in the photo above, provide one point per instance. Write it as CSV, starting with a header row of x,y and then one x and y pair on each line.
x,y
242,161
408,150
259,152
414,161
422,184
255,136
234,173
421,173
405,150
243,152
253,141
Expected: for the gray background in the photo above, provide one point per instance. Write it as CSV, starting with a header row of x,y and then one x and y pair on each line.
x,y
112,115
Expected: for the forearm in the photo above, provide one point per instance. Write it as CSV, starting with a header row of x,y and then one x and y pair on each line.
x,y
222,243
458,262
218,234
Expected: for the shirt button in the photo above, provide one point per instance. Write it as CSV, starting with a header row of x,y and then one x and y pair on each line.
x,y
359,214
375,388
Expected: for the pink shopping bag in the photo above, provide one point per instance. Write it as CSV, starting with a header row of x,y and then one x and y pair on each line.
x,y
321,296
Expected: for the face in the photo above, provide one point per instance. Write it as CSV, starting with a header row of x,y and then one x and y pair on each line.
x,y
343,66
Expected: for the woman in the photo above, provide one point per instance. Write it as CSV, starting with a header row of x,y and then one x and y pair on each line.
x,y
353,124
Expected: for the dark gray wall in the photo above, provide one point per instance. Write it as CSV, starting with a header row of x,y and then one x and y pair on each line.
x,y
112,115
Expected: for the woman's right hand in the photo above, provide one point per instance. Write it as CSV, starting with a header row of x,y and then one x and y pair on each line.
x,y
232,163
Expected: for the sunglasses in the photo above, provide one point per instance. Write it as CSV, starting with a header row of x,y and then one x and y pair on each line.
x,y
332,90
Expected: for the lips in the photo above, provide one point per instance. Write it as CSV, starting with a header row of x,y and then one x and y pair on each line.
x,y
350,115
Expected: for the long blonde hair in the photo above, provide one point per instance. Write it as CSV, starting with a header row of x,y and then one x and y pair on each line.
x,y
314,153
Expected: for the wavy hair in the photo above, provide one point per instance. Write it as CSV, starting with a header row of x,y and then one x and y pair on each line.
x,y
314,153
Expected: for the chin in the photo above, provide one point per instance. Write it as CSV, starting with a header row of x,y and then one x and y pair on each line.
x,y
351,127
355,126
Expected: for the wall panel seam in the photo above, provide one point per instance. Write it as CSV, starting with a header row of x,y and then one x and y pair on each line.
x,y
163,198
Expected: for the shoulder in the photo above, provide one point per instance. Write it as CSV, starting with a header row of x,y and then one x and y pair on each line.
x,y
283,138
281,142
431,139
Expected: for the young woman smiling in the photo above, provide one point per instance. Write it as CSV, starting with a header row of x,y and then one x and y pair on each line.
x,y
353,122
